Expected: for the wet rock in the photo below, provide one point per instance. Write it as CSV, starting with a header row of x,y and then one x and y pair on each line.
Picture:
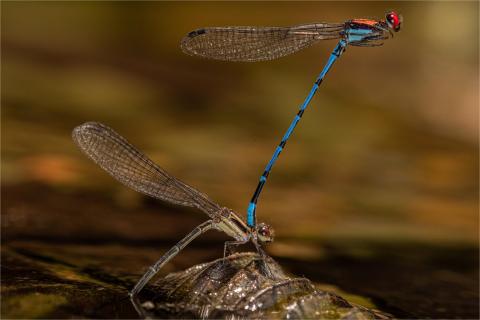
x,y
243,286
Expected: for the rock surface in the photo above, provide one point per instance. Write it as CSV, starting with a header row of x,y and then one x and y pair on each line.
x,y
243,286
70,254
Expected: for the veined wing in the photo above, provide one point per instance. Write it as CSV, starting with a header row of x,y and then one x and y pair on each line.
x,y
256,43
124,162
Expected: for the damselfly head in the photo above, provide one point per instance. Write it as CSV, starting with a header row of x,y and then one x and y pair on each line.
x,y
394,20
265,233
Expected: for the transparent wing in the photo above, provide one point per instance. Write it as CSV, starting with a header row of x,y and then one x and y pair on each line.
x,y
256,43
125,163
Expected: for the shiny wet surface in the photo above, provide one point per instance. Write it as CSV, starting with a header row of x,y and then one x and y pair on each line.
x,y
244,285
52,275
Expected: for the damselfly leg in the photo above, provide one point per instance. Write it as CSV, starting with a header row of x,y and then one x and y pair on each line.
x,y
230,245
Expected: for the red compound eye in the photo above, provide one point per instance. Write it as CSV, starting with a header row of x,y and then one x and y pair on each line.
x,y
394,20
265,232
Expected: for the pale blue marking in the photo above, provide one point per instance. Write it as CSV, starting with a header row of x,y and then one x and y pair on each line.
x,y
358,35
291,128
272,161
251,214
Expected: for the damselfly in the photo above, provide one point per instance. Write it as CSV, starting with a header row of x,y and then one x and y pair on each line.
x,y
124,162
267,43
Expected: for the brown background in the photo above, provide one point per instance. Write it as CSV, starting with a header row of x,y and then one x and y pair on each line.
x,y
386,155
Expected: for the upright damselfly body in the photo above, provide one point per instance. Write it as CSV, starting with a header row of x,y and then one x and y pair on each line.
x,y
124,162
267,43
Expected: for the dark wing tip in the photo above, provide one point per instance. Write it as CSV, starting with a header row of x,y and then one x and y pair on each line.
x,y
196,33
186,44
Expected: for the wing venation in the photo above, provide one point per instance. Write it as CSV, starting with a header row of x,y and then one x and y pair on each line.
x,y
124,162
256,43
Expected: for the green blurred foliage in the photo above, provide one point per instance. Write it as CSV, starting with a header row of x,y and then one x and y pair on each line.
x,y
388,149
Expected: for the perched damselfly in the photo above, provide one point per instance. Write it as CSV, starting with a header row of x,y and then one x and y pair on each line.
x,y
267,43
124,162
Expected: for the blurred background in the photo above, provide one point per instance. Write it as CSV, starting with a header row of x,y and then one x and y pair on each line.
x,y
375,196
